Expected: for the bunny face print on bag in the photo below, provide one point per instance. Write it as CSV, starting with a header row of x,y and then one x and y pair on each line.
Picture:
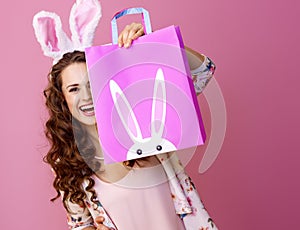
x,y
154,144
144,99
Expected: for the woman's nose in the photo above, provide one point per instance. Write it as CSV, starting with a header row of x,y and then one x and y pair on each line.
x,y
86,93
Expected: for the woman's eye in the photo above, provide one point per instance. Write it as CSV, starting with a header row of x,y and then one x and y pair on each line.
x,y
75,89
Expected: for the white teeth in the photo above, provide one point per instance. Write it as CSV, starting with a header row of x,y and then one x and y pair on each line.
x,y
86,108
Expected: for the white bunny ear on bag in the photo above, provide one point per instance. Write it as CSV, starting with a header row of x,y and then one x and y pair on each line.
x,y
125,112
159,105
84,18
49,33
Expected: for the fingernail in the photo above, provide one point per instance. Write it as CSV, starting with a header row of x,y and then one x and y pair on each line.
x,y
127,45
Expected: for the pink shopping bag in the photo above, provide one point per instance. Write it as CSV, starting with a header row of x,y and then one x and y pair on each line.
x,y
144,98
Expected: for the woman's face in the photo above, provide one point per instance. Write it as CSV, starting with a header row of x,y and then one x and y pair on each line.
x,y
76,89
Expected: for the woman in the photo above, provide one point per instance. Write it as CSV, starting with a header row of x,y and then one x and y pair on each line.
x,y
149,193
81,178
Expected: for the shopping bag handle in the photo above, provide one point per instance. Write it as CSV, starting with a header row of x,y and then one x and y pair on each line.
x,y
139,10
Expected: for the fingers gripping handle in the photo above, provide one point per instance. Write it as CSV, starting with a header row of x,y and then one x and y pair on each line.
x,y
146,21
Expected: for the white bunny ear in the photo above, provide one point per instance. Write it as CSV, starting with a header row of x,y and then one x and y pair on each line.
x,y
125,111
159,104
48,31
84,18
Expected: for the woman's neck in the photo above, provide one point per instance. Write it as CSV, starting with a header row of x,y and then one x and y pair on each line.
x,y
93,134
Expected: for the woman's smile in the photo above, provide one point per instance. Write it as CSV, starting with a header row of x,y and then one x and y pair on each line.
x,y
87,110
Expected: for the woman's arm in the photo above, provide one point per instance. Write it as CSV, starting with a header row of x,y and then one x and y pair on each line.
x,y
100,226
195,59
202,69
80,218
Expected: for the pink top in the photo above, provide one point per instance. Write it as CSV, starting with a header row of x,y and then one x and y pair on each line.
x,y
134,201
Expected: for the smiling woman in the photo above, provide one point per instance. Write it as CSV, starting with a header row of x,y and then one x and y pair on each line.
x,y
85,183
76,89
156,186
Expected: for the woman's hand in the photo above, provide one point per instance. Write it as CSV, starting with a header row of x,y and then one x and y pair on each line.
x,y
100,226
130,33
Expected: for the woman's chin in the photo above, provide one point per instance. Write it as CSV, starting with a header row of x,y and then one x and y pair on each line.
x,y
87,120
91,121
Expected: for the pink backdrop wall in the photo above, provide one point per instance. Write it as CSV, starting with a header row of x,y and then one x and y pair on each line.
x,y
253,184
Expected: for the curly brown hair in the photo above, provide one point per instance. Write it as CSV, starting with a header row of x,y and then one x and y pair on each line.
x,y
72,154
67,136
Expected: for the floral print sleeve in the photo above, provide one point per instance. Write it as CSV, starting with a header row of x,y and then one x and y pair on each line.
x,y
80,217
203,74
187,201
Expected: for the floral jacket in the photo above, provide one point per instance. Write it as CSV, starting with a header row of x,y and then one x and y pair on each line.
x,y
187,202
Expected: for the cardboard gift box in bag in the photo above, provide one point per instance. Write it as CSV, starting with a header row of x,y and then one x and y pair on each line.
x,y
144,98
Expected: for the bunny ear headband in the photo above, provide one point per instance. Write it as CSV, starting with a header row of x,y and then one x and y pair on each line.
x,y
84,18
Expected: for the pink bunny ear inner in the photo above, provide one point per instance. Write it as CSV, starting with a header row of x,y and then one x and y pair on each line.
x,y
50,35
83,15
84,18
47,32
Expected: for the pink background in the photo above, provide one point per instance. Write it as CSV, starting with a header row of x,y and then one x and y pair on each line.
x,y
253,184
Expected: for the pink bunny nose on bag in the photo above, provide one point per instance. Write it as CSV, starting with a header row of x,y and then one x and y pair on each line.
x,y
144,99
